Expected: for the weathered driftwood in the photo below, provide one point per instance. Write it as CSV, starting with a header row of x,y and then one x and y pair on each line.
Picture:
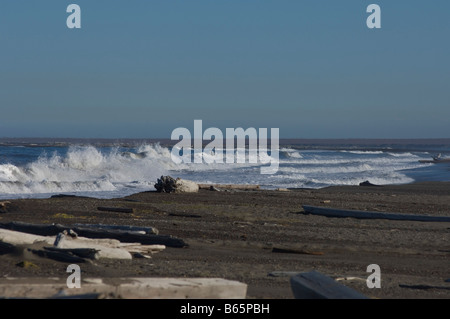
x,y
144,249
128,228
123,236
314,285
331,212
228,186
104,244
125,288
295,251
89,253
64,246
18,238
35,229
116,209
130,237
107,248
424,287
140,255
58,255
66,255
185,215
168,184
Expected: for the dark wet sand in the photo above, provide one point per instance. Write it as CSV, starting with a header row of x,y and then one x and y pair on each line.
x,y
231,235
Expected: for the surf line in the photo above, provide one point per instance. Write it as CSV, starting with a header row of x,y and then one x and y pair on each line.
x,y
235,149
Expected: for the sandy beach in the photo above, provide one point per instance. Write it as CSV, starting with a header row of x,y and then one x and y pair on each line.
x,y
232,235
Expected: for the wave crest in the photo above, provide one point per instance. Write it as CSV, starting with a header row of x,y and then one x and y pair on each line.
x,y
85,169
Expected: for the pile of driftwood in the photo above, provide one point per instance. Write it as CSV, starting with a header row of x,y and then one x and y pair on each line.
x,y
81,242
168,184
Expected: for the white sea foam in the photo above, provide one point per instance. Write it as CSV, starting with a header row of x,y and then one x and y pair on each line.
x,y
291,153
363,152
87,170
407,154
114,172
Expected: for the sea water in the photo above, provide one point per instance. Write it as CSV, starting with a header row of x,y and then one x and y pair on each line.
x,y
107,169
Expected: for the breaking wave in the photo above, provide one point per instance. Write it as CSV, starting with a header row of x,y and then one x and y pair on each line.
x,y
87,169
107,172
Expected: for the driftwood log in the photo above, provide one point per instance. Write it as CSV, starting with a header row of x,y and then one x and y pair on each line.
x,y
116,209
89,232
106,248
295,251
185,215
89,253
331,212
228,186
314,285
21,239
66,248
424,287
134,229
63,256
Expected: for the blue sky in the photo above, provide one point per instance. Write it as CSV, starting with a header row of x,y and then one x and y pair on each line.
x,y
143,68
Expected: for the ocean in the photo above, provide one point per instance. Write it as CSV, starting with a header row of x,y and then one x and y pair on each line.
x,y
40,168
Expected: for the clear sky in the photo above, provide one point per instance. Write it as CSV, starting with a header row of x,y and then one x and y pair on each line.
x,y
141,68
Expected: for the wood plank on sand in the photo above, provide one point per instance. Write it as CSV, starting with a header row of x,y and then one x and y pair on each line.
x,y
342,213
314,285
